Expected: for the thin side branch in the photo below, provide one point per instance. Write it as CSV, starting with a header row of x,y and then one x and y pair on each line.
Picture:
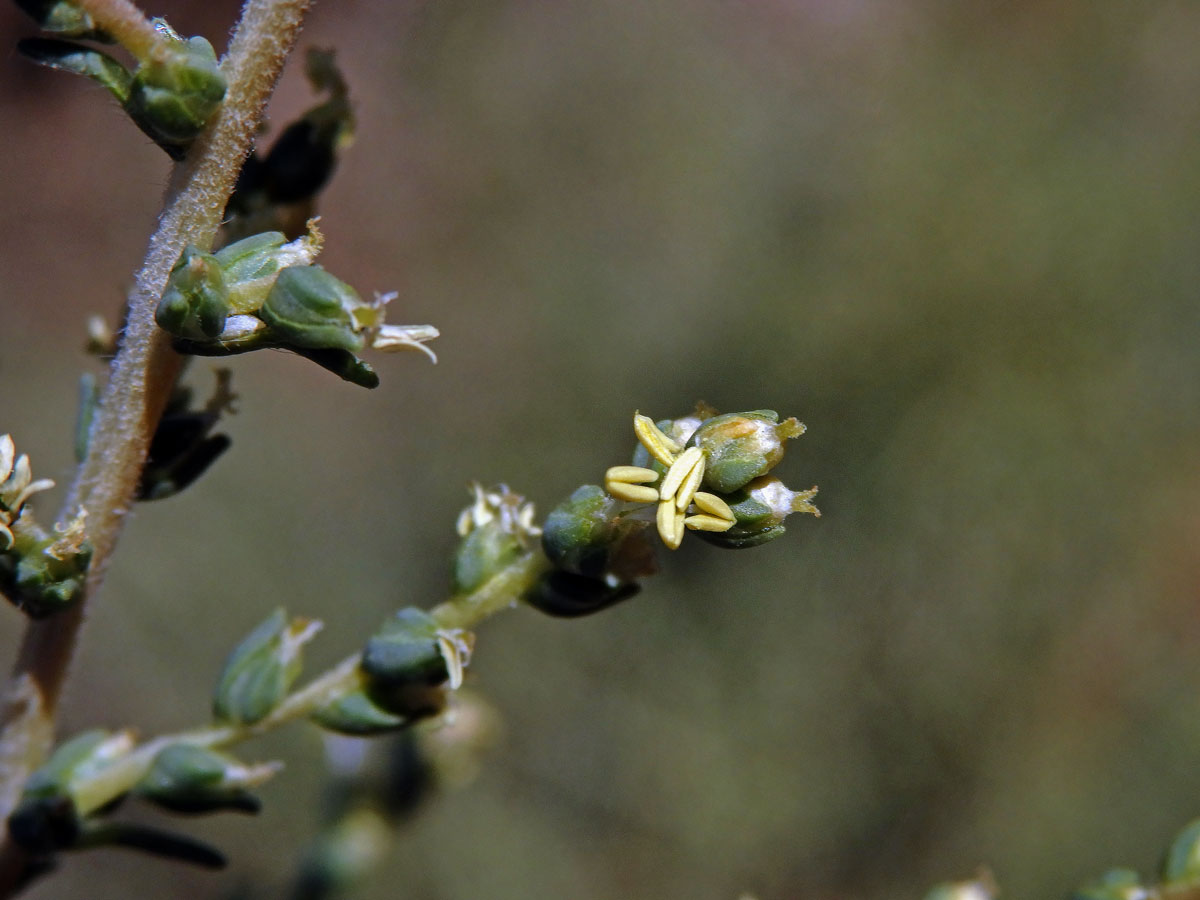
x,y
500,592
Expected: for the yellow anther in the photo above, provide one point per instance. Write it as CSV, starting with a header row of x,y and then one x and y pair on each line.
x,y
707,523
658,444
687,490
670,524
632,493
679,471
713,505
631,475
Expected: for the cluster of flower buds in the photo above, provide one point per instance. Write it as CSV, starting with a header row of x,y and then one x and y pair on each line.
x,y
41,572
276,189
706,473
263,292
170,94
709,473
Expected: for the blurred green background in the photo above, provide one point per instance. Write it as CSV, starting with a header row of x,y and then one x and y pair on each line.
x,y
958,240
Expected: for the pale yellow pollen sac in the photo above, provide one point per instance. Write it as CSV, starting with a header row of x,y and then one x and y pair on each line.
x,y
679,471
670,524
707,523
687,490
628,483
713,505
631,493
630,474
658,444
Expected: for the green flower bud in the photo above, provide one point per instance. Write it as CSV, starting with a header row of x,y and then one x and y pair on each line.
x,y
760,508
568,595
176,91
79,60
590,535
196,300
261,669
77,759
1182,863
480,555
409,661
47,818
495,530
307,307
45,574
1116,884
190,779
358,715
742,446
406,650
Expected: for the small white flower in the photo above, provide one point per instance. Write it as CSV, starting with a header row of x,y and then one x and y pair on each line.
x,y
16,487
514,515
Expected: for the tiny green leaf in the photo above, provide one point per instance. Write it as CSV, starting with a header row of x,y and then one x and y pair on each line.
x,y
80,60
357,714
174,93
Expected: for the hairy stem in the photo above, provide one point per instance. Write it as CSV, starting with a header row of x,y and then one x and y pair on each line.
x,y
141,378
125,23
500,592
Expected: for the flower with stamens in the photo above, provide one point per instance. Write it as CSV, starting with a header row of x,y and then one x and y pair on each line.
x,y
495,529
682,475
16,487
706,472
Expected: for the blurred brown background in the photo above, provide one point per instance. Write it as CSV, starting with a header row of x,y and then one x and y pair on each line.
x,y
959,240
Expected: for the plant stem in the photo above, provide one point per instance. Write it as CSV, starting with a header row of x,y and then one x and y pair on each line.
x,y
500,592
125,23
140,382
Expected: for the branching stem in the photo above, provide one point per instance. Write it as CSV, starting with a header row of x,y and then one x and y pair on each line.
x,y
501,591
142,376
